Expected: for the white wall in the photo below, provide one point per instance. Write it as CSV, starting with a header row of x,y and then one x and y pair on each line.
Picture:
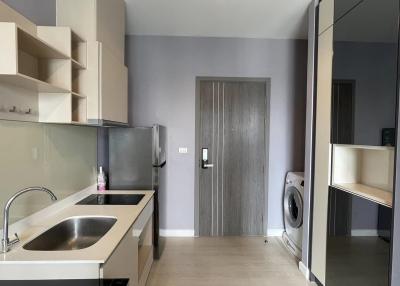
x,y
162,75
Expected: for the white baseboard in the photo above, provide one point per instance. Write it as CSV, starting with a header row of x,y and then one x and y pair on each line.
x,y
177,232
304,270
364,232
275,232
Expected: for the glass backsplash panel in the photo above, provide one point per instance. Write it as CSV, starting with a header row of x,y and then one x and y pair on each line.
x,y
60,157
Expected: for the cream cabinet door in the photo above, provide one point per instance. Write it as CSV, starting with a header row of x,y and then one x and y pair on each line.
x,y
105,82
113,78
96,20
133,257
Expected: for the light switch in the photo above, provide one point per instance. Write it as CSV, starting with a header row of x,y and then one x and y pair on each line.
x,y
183,150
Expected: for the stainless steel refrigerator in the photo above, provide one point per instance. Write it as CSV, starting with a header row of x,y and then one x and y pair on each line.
x,y
137,161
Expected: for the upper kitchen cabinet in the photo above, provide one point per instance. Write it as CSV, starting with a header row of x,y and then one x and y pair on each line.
x,y
36,67
96,20
364,75
105,81
101,23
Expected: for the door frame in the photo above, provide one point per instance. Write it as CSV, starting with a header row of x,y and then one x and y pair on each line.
x,y
267,82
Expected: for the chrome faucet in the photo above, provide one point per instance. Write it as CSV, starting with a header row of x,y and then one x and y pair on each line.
x,y
6,243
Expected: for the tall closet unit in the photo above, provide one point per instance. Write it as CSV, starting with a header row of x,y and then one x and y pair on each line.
x,y
355,141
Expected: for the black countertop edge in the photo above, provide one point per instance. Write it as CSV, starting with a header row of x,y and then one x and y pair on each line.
x,y
72,282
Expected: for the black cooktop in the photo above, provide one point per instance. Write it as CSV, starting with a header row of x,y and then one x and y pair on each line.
x,y
110,199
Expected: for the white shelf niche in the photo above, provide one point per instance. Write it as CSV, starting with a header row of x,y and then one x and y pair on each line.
x,y
366,171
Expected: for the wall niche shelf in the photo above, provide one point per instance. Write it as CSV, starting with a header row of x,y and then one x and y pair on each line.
x,y
376,195
365,171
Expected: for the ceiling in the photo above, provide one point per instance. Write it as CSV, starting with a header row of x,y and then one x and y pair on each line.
x,y
271,19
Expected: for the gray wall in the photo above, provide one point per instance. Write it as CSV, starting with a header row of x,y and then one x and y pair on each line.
x,y
162,77
41,12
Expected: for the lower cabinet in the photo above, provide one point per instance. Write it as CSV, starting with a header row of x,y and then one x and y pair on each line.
x,y
358,244
133,257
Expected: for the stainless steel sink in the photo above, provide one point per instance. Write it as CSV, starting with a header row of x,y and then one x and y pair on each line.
x,y
72,234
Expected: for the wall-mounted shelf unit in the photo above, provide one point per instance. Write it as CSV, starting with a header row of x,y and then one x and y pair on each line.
x,y
41,66
31,83
99,29
366,171
78,51
70,73
75,48
376,195
77,65
27,61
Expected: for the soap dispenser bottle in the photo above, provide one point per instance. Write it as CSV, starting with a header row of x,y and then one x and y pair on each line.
x,y
101,180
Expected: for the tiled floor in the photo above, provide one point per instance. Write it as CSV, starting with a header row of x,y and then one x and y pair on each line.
x,y
228,261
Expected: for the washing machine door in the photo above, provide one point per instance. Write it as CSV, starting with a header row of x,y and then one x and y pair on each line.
x,y
293,205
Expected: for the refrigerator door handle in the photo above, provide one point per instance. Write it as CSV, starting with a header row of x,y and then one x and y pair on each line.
x,y
160,165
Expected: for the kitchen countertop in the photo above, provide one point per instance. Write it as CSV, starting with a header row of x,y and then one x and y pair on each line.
x,y
98,253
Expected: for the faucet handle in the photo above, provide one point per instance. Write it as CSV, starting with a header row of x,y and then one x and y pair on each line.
x,y
15,240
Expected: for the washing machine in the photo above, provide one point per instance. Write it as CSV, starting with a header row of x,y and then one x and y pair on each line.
x,y
293,212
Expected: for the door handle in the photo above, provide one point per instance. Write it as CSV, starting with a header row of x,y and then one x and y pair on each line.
x,y
204,159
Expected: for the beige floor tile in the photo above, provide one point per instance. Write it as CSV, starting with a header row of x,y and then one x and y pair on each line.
x,y
227,261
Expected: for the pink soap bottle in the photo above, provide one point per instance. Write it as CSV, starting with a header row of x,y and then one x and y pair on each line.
x,y
101,180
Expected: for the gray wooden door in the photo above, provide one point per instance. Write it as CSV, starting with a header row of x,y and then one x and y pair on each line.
x,y
232,128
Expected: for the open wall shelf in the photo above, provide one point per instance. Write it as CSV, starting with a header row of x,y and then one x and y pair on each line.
x,y
376,195
77,65
78,51
37,47
366,171
31,83
30,62
65,73
44,65
79,114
